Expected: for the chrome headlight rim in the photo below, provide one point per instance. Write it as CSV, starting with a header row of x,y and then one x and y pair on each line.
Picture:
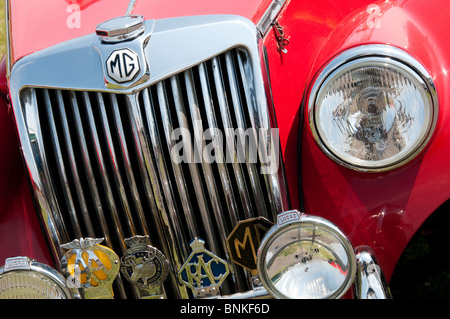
x,y
378,53
26,264
320,223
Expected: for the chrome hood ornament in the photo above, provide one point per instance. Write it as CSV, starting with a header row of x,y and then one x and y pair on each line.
x,y
123,49
121,29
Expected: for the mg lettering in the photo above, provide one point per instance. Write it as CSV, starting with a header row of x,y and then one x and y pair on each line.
x,y
123,65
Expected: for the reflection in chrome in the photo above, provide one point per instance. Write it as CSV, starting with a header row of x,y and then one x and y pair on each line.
x,y
24,278
370,283
306,258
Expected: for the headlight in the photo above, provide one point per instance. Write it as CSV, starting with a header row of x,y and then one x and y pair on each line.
x,y
373,108
23,278
305,257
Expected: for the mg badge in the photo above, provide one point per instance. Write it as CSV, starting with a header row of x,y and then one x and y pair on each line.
x,y
143,265
244,241
91,267
203,271
123,65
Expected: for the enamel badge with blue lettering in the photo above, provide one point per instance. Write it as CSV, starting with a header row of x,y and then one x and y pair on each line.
x,y
203,272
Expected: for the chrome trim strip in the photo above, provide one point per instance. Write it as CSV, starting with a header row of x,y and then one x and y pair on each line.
x,y
270,15
33,145
370,282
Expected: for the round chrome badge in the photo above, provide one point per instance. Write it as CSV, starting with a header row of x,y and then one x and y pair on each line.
x,y
143,265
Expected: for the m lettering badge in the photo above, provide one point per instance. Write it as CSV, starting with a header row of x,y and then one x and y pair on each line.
x,y
244,240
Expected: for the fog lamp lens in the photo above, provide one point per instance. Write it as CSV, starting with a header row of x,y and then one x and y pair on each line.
x,y
373,112
305,257
23,278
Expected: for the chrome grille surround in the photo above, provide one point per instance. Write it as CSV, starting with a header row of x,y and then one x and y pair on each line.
x,y
76,131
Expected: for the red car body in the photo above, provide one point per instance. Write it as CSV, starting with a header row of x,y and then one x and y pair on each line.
x,y
381,210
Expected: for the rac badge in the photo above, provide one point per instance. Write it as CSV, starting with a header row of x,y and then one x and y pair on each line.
x,y
123,65
91,267
143,265
244,241
203,272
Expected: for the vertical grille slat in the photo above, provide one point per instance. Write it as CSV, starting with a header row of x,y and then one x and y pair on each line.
x,y
60,164
238,100
212,123
171,248
120,146
117,175
194,174
229,136
103,173
178,174
128,169
161,167
86,160
205,166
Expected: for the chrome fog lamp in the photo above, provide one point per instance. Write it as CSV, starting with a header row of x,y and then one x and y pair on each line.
x,y
24,278
373,108
305,257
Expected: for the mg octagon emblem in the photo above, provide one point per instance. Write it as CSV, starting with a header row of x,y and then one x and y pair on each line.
x,y
123,65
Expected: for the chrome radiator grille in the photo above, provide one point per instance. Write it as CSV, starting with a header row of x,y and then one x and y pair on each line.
x,y
109,165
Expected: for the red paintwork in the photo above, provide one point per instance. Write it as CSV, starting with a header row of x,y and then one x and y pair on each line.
x,y
42,23
380,210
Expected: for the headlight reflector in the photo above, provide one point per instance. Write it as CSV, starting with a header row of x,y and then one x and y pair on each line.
x,y
23,278
373,112
306,257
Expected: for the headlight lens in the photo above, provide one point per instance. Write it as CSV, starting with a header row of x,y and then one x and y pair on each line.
x,y
23,278
307,257
373,112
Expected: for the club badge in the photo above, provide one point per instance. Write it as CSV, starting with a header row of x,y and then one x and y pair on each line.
x,y
90,267
243,242
203,272
143,265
